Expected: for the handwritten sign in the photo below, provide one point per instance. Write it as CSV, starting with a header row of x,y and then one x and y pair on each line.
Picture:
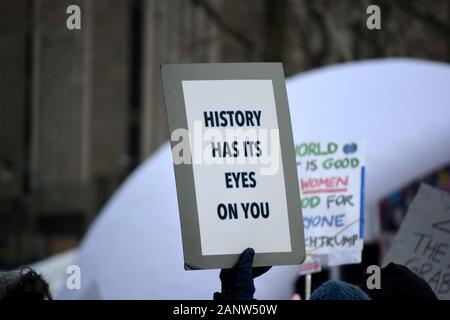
x,y
423,241
236,178
332,193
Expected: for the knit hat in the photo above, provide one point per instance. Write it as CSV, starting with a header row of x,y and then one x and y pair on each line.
x,y
338,290
398,282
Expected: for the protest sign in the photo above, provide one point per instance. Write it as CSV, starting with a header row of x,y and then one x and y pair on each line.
x,y
332,191
423,240
234,162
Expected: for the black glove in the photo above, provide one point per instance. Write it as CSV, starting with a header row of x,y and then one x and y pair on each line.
x,y
237,282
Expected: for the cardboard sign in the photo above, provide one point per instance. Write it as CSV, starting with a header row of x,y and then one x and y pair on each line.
x,y
332,190
234,161
423,241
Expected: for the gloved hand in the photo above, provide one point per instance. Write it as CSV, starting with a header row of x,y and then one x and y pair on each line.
x,y
237,282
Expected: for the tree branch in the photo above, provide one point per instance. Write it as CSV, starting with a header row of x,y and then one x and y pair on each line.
x,y
215,16
426,18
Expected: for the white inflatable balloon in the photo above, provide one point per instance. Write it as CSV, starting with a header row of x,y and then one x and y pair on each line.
x,y
399,107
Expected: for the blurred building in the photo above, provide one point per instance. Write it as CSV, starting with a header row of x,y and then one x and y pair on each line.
x,y
80,109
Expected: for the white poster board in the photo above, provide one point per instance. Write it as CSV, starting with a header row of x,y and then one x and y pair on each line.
x,y
229,173
331,177
234,161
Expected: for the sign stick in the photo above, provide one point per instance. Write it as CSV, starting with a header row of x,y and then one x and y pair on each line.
x,y
308,280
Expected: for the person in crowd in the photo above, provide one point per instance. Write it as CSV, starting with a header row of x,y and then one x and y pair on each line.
x,y
398,283
237,282
338,290
25,284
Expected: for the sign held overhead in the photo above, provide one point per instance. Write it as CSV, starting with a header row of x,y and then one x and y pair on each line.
x,y
234,162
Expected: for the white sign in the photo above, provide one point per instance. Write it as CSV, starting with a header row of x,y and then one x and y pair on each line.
x,y
234,196
332,191
234,161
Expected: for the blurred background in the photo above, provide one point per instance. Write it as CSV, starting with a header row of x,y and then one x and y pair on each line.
x,y
80,109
